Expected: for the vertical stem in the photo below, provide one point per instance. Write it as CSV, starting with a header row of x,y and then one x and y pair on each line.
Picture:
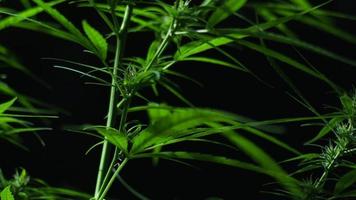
x,y
121,166
163,44
112,111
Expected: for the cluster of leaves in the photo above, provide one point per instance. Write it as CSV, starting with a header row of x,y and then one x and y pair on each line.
x,y
333,170
187,31
23,187
12,123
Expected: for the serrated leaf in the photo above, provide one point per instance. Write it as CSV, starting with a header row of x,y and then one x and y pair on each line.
x,y
6,194
345,182
97,39
222,12
6,105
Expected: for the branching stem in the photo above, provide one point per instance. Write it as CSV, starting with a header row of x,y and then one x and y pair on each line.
x,y
112,111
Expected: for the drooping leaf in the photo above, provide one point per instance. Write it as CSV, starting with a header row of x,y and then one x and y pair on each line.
x,y
326,129
258,133
97,39
333,30
285,59
223,161
196,47
176,93
13,20
222,12
213,61
174,125
271,139
55,14
25,130
302,44
263,159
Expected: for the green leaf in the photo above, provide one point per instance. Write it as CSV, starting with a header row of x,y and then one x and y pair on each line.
x,y
55,14
176,93
285,59
178,123
263,159
222,12
346,195
271,139
326,129
12,120
347,104
97,39
12,20
195,47
303,157
257,133
6,194
345,182
6,105
24,130
223,161
213,61
299,43
331,29
269,16
203,157
115,137
157,111
61,192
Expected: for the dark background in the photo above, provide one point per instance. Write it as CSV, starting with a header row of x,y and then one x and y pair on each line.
x,y
62,162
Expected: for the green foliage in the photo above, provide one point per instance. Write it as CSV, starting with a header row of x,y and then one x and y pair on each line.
x,y
6,194
229,7
97,39
23,187
185,32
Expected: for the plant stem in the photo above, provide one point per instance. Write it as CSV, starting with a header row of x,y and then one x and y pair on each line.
x,y
323,177
112,111
163,44
341,147
112,179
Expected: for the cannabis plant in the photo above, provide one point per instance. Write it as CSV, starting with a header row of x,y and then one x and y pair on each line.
x,y
186,32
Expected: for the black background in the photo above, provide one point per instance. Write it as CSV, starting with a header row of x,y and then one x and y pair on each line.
x,y
62,162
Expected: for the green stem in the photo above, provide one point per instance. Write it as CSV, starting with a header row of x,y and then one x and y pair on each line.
x,y
112,111
126,105
112,179
341,149
323,177
163,44
111,166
